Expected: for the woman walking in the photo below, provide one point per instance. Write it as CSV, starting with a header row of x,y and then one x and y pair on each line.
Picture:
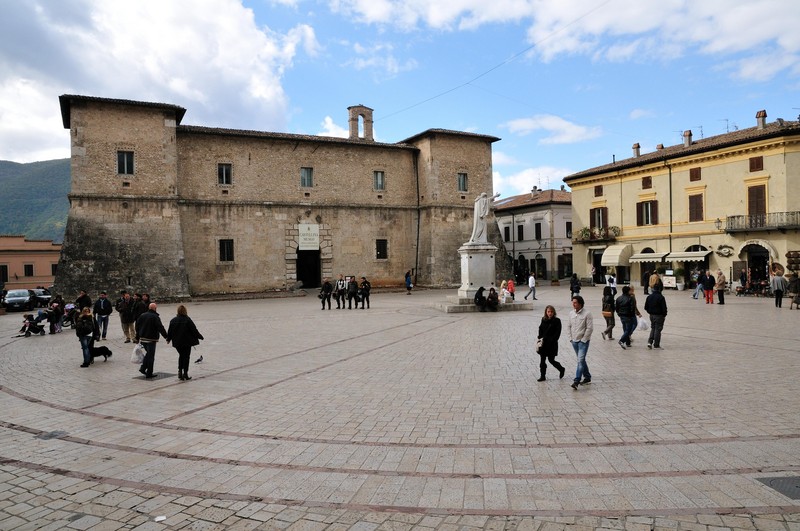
x,y
184,335
608,313
549,333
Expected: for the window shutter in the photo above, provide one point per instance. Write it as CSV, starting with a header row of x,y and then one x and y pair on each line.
x,y
592,218
654,212
604,210
639,214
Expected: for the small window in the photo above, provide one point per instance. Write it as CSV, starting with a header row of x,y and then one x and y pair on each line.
x,y
3,273
756,163
125,162
647,182
598,217
696,207
28,270
226,250
694,174
647,213
598,190
307,177
378,181
382,249
520,233
568,228
506,234
225,173
537,231
53,269
462,182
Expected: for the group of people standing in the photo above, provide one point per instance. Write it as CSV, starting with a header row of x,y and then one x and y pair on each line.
x,y
345,290
707,284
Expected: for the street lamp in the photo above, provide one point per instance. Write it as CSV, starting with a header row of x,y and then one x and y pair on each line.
x,y
718,223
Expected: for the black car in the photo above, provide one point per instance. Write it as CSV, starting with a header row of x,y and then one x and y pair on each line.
x,y
42,297
20,299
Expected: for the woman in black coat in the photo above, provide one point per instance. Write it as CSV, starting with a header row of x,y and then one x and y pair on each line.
x,y
549,333
184,335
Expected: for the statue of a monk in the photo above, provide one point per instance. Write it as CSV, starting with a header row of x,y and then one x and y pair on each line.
x,y
483,205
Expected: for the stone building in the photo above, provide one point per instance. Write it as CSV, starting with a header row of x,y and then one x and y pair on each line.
x,y
537,231
727,202
181,210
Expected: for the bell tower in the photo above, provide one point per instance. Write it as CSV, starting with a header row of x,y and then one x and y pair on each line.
x,y
360,123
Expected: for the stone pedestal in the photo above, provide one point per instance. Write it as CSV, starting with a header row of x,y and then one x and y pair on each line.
x,y
477,269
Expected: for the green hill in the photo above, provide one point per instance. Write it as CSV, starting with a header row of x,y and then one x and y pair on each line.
x,y
33,202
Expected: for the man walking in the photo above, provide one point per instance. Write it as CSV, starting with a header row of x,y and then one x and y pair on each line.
x,y
779,285
579,329
531,286
656,306
102,309
148,328
124,307
626,309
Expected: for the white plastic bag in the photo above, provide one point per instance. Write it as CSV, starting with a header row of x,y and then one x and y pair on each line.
x,y
137,356
642,325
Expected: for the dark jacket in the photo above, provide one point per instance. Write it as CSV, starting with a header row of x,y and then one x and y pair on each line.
x,y
125,310
352,288
608,304
575,285
102,307
84,326
709,282
656,304
626,307
148,327
84,301
549,332
327,288
480,298
138,307
183,332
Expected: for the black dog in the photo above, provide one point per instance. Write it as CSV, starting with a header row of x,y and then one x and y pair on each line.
x,y
100,351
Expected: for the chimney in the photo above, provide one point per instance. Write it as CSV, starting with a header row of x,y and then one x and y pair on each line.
x,y
687,138
534,191
761,119
636,150
659,147
357,114
562,188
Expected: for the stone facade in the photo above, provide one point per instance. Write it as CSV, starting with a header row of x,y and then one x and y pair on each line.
x,y
216,211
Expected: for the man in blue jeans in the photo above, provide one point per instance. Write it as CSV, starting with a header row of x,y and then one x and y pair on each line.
x,y
579,328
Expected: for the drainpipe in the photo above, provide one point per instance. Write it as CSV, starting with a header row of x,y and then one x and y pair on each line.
x,y
419,215
513,244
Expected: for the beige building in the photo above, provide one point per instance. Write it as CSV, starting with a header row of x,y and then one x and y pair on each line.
x,y
537,232
26,264
180,210
728,202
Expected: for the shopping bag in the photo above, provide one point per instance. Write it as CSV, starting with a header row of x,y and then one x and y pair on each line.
x,y
642,325
137,356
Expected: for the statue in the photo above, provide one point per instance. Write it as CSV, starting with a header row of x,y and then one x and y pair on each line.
x,y
483,205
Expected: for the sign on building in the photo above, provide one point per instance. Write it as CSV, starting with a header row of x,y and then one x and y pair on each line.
x,y
309,237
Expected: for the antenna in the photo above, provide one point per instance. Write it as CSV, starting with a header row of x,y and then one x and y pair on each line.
x,y
797,109
727,124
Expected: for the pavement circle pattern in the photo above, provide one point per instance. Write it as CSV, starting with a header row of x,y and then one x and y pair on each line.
x,y
404,416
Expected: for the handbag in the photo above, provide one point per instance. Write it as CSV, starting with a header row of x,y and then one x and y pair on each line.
x,y
539,343
137,356
608,313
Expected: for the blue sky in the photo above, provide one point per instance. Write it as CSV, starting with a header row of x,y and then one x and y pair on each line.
x,y
566,84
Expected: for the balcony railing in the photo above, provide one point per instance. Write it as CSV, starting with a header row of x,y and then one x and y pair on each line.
x,y
759,222
596,234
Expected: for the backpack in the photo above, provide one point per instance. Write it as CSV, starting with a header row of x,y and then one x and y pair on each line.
x,y
84,327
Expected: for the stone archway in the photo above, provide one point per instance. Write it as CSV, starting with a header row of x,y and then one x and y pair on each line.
x,y
292,252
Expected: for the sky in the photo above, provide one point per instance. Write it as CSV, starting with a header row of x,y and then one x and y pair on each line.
x,y
566,84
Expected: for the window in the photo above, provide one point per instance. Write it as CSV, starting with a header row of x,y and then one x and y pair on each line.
x,y
226,250
506,234
462,182
382,249
598,190
647,182
125,162
3,273
696,207
537,231
756,163
598,218
568,228
520,233
694,174
306,177
378,182
224,174
53,269
28,268
757,206
647,213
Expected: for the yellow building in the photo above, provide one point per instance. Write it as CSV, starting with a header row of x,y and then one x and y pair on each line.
x,y
728,202
27,263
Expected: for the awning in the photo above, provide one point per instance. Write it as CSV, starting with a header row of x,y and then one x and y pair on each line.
x,y
647,257
689,256
616,255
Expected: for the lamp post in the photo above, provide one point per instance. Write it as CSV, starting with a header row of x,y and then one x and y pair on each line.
x,y
718,223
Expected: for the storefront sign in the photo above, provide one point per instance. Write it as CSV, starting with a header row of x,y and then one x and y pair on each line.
x,y
309,238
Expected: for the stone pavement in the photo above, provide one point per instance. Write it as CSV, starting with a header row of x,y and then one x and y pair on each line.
x,y
403,416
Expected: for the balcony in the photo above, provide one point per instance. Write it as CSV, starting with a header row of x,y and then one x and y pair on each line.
x,y
597,234
763,222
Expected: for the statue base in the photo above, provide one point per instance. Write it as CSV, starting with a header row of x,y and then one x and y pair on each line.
x,y
477,268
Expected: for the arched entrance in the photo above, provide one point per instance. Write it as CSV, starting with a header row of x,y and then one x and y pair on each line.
x,y
758,258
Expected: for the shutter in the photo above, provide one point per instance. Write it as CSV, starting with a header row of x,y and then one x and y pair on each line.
x,y
604,210
654,212
639,214
592,218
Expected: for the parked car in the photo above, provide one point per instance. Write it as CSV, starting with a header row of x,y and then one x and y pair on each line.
x,y
42,297
20,299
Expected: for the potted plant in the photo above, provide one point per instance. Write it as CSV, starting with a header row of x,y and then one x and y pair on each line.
x,y
679,280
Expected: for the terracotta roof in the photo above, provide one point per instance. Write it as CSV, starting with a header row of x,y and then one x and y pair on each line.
x,y
743,136
432,132
541,197
67,99
200,130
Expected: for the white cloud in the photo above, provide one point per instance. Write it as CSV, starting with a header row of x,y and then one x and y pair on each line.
x,y
379,57
193,53
501,158
638,114
560,130
543,177
329,128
